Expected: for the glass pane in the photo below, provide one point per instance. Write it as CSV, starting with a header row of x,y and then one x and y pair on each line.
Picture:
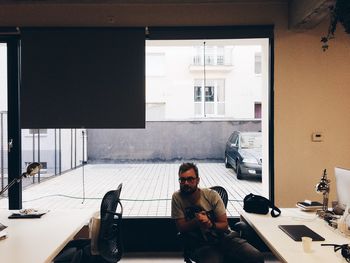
x,y
220,56
36,131
3,116
198,108
58,150
197,93
175,110
210,55
209,93
250,141
209,108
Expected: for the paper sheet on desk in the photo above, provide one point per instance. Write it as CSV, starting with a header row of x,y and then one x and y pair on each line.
x,y
28,213
31,211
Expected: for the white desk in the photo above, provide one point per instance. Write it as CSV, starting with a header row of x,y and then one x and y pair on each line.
x,y
39,240
288,250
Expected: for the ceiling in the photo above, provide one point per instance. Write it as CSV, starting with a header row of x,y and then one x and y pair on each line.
x,y
150,2
302,14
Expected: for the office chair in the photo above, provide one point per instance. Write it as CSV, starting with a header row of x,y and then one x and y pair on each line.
x,y
109,239
109,243
187,251
222,192
78,255
69,254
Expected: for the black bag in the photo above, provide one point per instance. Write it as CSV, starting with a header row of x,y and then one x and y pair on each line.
x,y
259,205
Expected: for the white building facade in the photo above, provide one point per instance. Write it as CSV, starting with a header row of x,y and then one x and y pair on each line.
x,y
180,86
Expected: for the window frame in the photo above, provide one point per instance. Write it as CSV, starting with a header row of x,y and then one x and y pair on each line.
x,y
10,36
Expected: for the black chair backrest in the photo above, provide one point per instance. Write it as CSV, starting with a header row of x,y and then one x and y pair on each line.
x,y
109,240
222,192
78,255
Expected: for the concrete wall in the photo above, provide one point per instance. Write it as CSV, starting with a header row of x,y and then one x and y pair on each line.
x,y
165,141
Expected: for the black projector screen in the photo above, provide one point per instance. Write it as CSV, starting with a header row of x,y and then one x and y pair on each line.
x,y
82,78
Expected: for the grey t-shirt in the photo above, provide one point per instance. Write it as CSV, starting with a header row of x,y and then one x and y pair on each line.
x,y
209,201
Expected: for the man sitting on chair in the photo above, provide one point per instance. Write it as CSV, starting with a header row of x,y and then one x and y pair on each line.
x,y
200,217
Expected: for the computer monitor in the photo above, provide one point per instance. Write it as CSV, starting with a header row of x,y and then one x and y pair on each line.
x,y
342,178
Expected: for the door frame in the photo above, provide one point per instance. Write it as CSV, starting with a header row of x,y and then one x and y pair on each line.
x,y
11,38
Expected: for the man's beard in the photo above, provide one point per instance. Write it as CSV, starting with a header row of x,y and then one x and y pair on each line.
x,y
187,190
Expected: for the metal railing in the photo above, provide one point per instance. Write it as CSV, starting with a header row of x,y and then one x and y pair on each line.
x,y
58,150
3,138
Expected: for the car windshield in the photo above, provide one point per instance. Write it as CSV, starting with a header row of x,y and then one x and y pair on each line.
x,y
249,141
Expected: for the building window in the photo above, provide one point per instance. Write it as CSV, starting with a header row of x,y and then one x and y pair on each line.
x,y
213,103
209,93
257,110
197,93
258,61
38,131
214,55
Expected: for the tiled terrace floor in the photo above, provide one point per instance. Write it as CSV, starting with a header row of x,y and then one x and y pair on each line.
x,y
147,188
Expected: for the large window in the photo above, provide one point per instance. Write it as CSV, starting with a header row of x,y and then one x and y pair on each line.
x,y
209,100
209,90
199,90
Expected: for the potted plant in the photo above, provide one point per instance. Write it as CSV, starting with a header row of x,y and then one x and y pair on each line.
x,y
340,12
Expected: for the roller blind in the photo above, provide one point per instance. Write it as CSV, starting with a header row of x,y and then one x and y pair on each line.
x,y
211,32
82,77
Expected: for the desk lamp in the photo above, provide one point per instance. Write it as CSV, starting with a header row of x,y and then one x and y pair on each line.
x,y
323,188
32,169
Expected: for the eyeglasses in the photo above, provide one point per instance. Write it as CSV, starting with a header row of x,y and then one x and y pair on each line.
x,y
182,180
345,250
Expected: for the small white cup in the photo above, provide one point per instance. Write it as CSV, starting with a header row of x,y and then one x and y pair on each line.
x,y
307,244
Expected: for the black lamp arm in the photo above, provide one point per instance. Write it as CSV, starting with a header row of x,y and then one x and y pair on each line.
x,y
16,180
32,169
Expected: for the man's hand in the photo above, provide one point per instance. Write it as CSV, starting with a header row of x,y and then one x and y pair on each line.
x,y
203,220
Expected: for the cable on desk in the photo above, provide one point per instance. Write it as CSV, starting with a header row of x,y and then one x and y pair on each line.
x,y
100,198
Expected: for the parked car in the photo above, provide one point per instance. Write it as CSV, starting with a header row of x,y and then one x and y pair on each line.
x,y
243,152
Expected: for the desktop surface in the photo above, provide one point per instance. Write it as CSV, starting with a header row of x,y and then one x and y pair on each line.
x,y
39,240
288,250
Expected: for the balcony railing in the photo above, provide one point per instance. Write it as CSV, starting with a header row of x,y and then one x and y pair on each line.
x,y
59,150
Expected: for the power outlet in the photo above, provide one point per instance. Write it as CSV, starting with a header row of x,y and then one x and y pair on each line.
x,y
317,137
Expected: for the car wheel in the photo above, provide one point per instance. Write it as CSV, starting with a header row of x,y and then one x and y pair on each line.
x,y
227,165
236,166
238,171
